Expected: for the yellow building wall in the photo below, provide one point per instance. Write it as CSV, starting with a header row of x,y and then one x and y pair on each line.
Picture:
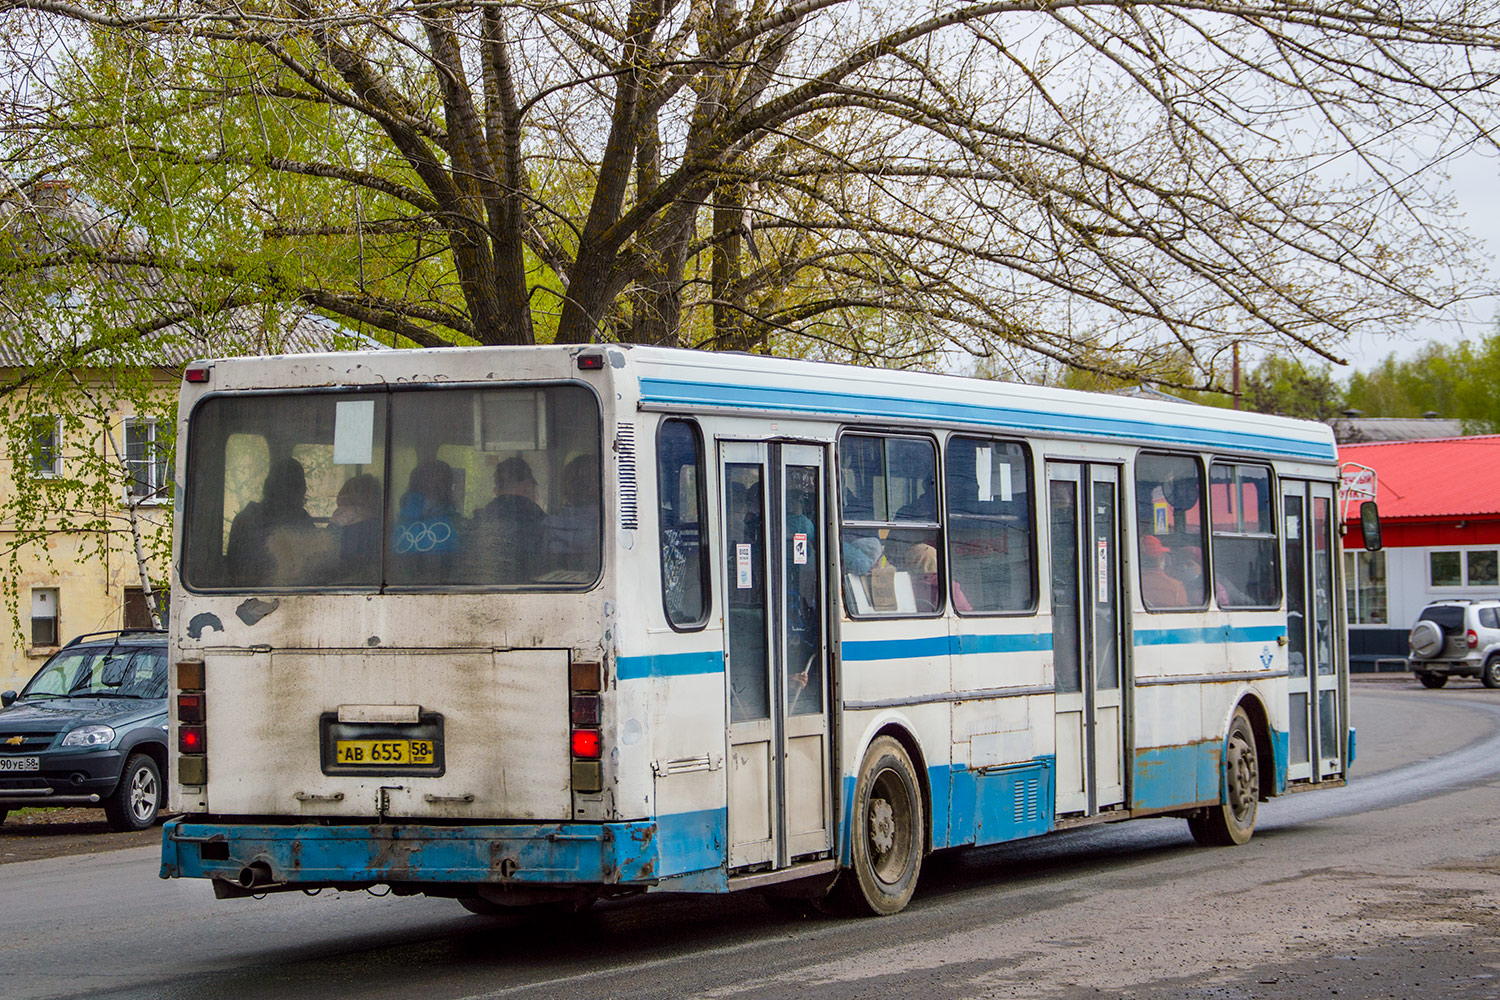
x,y
91,579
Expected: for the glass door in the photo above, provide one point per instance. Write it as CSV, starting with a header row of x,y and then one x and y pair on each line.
x,y
1315,707
775,559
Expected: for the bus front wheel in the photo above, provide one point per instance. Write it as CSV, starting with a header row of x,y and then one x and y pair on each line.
x,y
888,834
1232,821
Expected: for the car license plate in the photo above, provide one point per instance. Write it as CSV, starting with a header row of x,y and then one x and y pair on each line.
x,y
20,764
416,753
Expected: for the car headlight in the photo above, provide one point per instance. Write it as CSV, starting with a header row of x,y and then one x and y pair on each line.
x,y
89,736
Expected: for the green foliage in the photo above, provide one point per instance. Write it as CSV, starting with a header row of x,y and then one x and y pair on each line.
x,y
1292,388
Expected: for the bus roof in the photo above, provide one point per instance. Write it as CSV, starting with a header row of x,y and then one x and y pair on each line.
x,y
672,379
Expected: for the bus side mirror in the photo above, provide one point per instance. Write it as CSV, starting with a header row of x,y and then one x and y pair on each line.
x,y
1369,525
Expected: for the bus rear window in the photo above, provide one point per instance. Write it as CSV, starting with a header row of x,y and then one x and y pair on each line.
x,y
414,490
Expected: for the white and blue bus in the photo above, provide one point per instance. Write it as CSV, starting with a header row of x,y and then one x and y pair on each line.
x,y
534,625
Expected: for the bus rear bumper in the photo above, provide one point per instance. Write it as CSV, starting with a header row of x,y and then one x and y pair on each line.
x,y
258,857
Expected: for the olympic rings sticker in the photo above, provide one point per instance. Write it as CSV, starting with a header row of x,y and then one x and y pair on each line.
x,y
422,536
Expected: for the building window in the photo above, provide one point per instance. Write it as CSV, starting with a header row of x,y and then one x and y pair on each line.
x,y
146,461
1474,568
1364,587
44,616
137,615
46,446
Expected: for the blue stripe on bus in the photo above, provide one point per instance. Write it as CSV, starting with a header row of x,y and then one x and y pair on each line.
x,y
634,668
944,645
1216,633
822,401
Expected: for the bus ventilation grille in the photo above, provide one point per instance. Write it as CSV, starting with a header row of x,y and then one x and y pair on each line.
x,y
1028,800
625,452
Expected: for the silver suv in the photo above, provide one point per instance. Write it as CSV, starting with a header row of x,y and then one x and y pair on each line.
x,y
1456,639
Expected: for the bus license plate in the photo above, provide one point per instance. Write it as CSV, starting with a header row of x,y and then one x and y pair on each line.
x,y
20,764
363,753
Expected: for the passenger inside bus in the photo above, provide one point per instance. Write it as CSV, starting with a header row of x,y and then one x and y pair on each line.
x,y
507,528
571,534
428,529
1160,588
356,521
268,538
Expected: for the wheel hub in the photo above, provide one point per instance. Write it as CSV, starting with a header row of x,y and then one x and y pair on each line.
x,y
882,826
1243,778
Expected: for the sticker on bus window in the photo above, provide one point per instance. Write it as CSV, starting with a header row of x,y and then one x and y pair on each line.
x,y
1104,587
742,565
1293,527
982,474
799,549
1005,491
1161,517
354,432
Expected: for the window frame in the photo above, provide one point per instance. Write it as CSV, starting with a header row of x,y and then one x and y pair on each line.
x,y
1273,494
1463,582
33,425
1205,532
946,518
55,618
705,537
886,435
389,391
153,462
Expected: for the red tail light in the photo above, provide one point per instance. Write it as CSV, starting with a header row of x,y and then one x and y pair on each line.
x,y
586,744
192,739
1473,638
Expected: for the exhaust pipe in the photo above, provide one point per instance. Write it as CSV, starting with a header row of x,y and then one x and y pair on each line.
x,y
254,875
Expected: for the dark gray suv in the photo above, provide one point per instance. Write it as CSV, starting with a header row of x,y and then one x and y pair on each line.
x,y
1458,638
90,729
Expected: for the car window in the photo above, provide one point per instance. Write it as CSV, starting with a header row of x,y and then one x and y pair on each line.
x,y
1447,616
101,671
1489,617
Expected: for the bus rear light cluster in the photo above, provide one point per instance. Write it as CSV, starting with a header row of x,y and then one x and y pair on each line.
x,y
192,730
585,739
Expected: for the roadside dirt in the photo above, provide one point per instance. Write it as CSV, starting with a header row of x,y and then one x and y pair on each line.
x,y
33,834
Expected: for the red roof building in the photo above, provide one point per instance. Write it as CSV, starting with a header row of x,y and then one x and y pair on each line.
x,y
1440,525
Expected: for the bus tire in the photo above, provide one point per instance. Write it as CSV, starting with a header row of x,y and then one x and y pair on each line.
x,y
888,834
1232,821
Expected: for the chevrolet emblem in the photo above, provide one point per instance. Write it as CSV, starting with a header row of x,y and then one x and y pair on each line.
x,y
16,741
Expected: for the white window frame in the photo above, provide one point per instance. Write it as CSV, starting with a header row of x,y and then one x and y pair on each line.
x,y
1463,569
43,598
149,468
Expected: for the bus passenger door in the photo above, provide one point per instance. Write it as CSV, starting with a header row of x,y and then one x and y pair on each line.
x,y
1315,712
775,557
1084,506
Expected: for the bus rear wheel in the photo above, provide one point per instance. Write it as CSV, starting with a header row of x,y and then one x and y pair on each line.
x,y
1232,821
888,835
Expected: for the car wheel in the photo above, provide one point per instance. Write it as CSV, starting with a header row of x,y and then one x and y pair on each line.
x,y
1232,821
1432,680
1490,675
889,833
137,800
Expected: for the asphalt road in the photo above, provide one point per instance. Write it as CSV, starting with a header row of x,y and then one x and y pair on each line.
x,y
1387,888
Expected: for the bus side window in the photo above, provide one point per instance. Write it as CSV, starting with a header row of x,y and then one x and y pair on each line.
x,y
680,507
890,541
1170,532
1246,571
990,517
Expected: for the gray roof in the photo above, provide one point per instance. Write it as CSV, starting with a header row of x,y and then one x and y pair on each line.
x,y
1356,430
